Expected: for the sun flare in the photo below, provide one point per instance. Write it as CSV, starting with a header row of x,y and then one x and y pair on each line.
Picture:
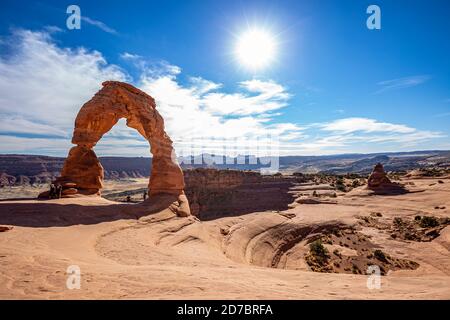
x,y
255,49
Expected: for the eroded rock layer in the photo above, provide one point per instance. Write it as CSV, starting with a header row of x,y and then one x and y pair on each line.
x,y
378,177
216,193
380,183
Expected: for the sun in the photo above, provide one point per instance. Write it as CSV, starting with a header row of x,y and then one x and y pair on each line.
x,y
255,49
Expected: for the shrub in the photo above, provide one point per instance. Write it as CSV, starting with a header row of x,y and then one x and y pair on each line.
x,y
398,221
336,231
318,250
428,222
366,219
357,182
339,185
337,253
376,214
380,255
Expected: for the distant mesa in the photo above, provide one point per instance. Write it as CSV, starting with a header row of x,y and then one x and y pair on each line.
x,y
380,183
82,173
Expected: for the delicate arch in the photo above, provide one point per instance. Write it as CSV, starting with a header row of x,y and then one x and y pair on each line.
x,y
82,171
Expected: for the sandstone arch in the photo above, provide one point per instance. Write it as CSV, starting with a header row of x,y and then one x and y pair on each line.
x,y
82,172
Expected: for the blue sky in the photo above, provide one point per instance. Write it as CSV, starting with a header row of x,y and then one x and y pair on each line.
x,y
334,86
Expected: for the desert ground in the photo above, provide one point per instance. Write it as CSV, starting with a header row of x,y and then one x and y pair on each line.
x,y
111,187
144,251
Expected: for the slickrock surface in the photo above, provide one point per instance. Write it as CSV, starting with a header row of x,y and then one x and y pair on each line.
x,y
125,254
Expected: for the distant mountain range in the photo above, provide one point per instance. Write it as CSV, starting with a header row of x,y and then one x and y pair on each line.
x,y
32,169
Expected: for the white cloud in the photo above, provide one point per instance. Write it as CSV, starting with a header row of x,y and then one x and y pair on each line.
x,y
99,24
130,56
197,112
348,125
258,97
203,86
401,83
148,68
53,29
42,86
19,125
41,146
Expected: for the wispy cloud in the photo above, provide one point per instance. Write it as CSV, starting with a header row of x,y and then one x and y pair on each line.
x,y
349,125
401,83
257,97
43,86
130,56
19,125
441,115
99,24
53,29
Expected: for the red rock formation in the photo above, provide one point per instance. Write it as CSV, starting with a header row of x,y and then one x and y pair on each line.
x,y
380,183
5,228
378,177
82,170
216,193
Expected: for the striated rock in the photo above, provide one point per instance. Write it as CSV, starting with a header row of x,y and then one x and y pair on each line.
x,y
69,185
5,228
306,200
378,177
380,183
6,180
213,178
82,169
69,191
216,193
